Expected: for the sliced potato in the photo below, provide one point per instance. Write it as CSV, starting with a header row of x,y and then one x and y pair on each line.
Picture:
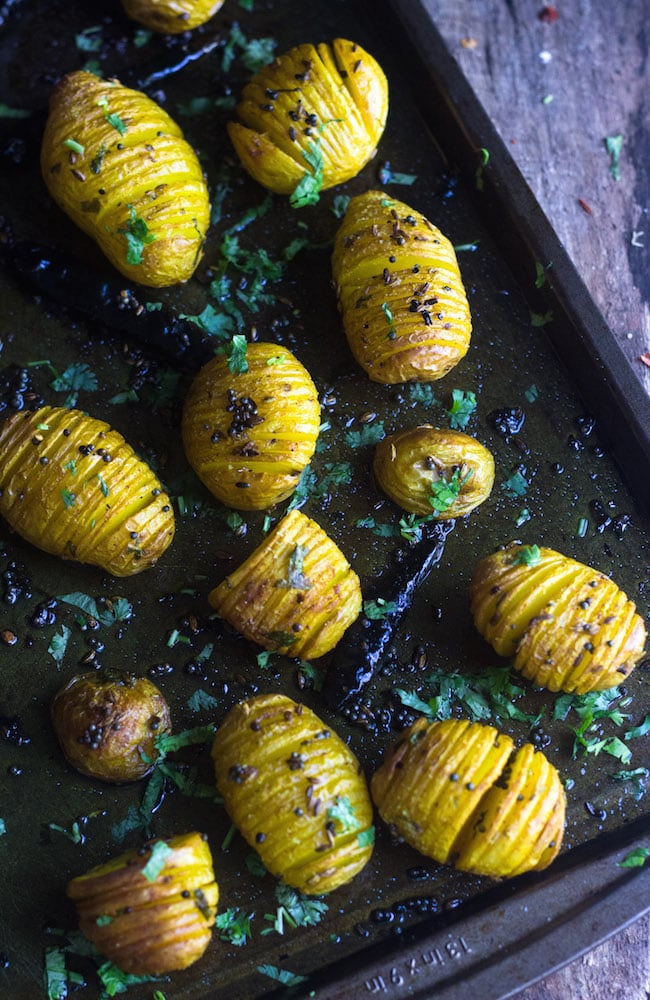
x,y
318,111
171,17
295,594
569,627
249,436
119,166
107,724
72,486
460,793
152,910
428,469
295,791
400,293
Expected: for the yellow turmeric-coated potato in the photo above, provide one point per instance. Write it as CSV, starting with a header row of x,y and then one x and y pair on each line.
x,y
318,111
73,487
119,166
430,470
171,17
107,724
249,436
461,793
400,293
295,594
295,791
569,627
150,911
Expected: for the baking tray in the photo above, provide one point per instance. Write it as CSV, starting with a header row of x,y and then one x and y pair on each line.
x,y
405,926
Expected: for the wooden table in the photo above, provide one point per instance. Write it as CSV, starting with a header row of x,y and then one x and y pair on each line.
x,y
557,82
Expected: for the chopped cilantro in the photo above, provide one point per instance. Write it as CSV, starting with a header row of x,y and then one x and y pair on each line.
x,y
75,146
485,159
311,673
422,392
104,920
90,39
532,393
583,525
116,609
200,700
340,205
369,434
540,273
255,53
254,864
235,926
613,145
528,555
343,813
214,323
3,828
56,975
390,319
76,376
237,362
137,236
168,743
113,119
541,319
366,838
97,161
307,190
522,517
7,112
159,854
516,484
115,981
636,858
59,643
466,247
379,609
377,528
641,730
445,492
281,975
389,176
74,834
463,405
294,908
296,579
128,396
637,777
141,37
264,659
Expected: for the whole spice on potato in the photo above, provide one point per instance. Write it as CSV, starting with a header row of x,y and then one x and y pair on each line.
x,y
295,791
171,17
461,793
427,470
107,724
150,911
119,166
249,435
72,486
311,119
400,292
295,594
569,627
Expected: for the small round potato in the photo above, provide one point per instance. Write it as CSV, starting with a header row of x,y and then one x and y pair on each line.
x,y
171,17
150,911
295,594
311,119
118,165
73,487
295,791
569,627
461,793
429,470
107,724
400,293
249,436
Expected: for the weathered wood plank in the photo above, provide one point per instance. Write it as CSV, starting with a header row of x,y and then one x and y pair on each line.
x,y
556,91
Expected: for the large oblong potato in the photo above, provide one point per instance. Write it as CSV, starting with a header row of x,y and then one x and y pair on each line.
x,y
569,627
400,292
72,486
428,469
317,110
461,793
295,594
249,436
171,17
295,791
150,911
119,166
107,724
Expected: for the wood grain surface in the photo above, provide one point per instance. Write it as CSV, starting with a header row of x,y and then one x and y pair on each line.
x,y
556,87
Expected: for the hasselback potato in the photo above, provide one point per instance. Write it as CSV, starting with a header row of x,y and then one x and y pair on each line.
x,y
171,16
119,166
569,627
150,911
318,111
460,793
295,791
73,487
296,593
107,723
400,292
430,470
249,436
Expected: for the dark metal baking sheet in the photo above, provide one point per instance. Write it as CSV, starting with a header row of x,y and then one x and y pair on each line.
x,y
375,932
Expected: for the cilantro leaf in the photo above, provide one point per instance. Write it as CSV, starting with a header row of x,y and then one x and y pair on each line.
x,y
296,579
56,975
343,813
389,176
138,235
281,975
59,644
528,555
641,730
115,981
463,405
201,700
76,376
379,609
445,492
613,145
516,484
369,434
90,39
237,362
235,926
307,190
636,858
214,323
156,862
366,838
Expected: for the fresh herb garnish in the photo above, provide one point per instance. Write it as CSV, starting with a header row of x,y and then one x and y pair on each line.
x,y
237,362
369,434
76,376
200,700
75,146
636,858
366,838
340,205
343,813
7,112
113,119
444,493
422,392
516,484
138,236
90,39
58,644
528,555
294,909
235,926
485,159
156,862
385,308
389,176
307,190
116,609
614,145
541,319
379,609
296,579
281,975
463,405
